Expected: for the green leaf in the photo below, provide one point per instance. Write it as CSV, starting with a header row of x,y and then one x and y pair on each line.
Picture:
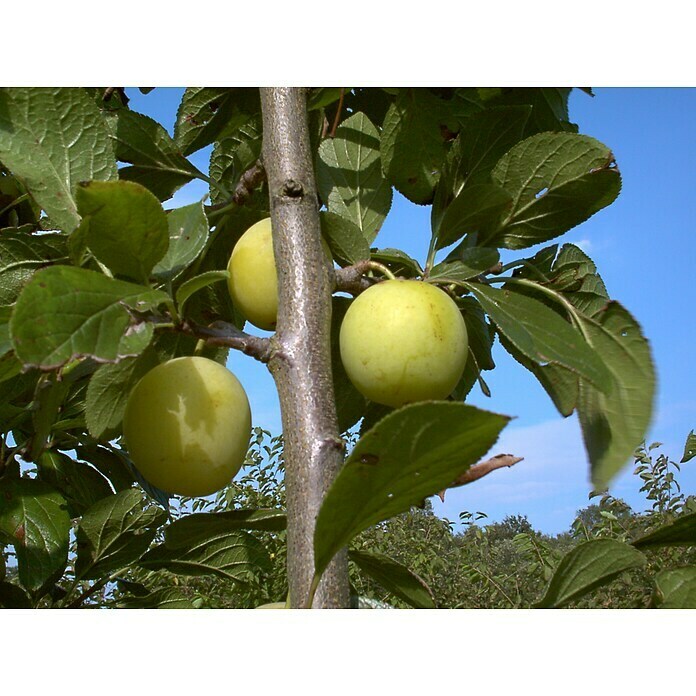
x,y
13,597
676,589
237,151
108,391
236,556
413,453
681,532
397,262
163,185
541,334
204,113
586,567
49,396
549,106
209,526
560,384
80,484
128,230
615,423
572,273
110,464
557,181
64,313
114,533
21,255
484,138
477,209
197,283
165,598
481,337
53,138
395,578
5,341
9,367
35,520
188,232
347,243
144,143
349,175
689,448
321,97
471,263
575,275
413,145
18,210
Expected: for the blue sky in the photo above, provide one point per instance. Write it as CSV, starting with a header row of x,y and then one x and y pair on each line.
x,y
642,247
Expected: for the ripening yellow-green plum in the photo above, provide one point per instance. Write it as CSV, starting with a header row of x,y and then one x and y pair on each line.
x,y
187,426
403,341
253,281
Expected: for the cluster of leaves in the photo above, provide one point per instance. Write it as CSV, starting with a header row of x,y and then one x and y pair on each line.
x,y
98,283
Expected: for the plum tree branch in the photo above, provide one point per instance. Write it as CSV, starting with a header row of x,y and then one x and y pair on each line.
x,y
300,360
352,279
221,333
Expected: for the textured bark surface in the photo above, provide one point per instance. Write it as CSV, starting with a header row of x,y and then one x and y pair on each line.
x,y
300,352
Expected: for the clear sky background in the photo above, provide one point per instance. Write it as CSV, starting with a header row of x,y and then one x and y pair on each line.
x,y
642,245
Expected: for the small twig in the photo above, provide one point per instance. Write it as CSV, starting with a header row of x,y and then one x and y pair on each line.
x,y
352,279
221,333
337,117
109,92
324,128
477,471
250,180
77,603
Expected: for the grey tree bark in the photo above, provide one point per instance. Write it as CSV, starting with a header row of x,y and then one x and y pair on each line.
x,y
300,356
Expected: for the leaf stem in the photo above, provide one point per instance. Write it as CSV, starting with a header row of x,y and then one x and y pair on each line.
x,y
376,266
526,264
312,591
215,184
556,296
14,203
337,118
430,261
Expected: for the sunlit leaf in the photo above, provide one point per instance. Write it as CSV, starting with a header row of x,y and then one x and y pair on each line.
x,y
127,228
615,422
54,138
114,533
588,566
64,313
35,520
411,454
349,175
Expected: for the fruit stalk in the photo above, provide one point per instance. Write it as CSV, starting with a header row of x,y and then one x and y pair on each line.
x,y
300,355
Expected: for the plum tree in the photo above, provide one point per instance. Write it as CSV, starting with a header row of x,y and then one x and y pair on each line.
x,y
403,341
187,426
97,280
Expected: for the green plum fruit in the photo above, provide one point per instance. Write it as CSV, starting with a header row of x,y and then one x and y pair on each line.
x,y
187,426
403,341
